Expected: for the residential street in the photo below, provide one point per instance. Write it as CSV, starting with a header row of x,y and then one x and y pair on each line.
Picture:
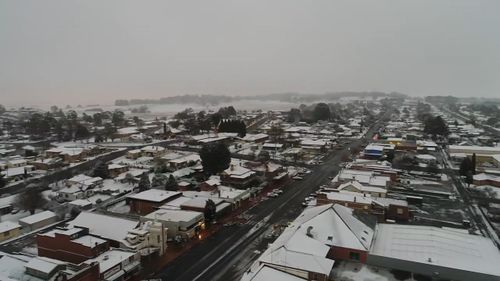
x,y
228,253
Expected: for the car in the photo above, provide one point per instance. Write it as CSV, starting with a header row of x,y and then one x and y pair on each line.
x,y
278,191
298,178
330,178
14,211
272,194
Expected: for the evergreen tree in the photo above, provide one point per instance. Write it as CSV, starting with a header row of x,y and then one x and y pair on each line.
x,y
144,183
101,170
209,212
465,166
31,200
321,112
159,180
215,158
171,183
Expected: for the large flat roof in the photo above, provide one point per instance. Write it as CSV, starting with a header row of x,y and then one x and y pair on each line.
x,y
445,247
154,195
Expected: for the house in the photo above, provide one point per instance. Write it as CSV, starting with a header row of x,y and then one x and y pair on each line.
x,y
315,146
70,244
184,161
485,179
117,169
152,151
150,200
74,192
84,182
80,204
38,220
134,154
444,253
9,230
354,186
373,151
255,138
272,146
179,223
118,264
21,268
309,246
46,163
237,176
370,178
113,229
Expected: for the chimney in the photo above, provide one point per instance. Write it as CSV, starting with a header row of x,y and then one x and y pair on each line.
x,y
309,229
232,167
354,199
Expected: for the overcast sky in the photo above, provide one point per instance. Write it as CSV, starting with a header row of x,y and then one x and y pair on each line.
x,y
94,51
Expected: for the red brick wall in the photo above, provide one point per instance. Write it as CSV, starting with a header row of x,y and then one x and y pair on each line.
x,y
340,253
392,213
142,207
62,248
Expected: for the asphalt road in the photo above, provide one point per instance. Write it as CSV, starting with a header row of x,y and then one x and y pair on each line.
x,y
229,252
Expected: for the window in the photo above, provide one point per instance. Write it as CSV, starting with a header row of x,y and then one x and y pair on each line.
x,y
354,256
6,233
399,211
158,238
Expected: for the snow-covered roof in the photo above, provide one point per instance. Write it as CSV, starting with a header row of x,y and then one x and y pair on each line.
x,y
444,247
336,225
43,264
297,260
361,188
89,241
175,215
8,226
38,217
154,195
111,258
104,226
267,273
254,137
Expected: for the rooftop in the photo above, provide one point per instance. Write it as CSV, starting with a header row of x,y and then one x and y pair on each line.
x,y
154,195
444,247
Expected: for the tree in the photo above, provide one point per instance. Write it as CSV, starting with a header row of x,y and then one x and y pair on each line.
x,y
209,212
159,180
3,182
433,168
97,119
118,118
101,170
473,164
31,200
465,166
109,131
294,115
130,179
2,109
215,158
435,126
321,112
171,183
263,156
144,183
81,132
160,167
492,121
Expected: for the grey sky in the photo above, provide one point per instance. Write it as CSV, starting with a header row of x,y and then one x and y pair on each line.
x,y
93,51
